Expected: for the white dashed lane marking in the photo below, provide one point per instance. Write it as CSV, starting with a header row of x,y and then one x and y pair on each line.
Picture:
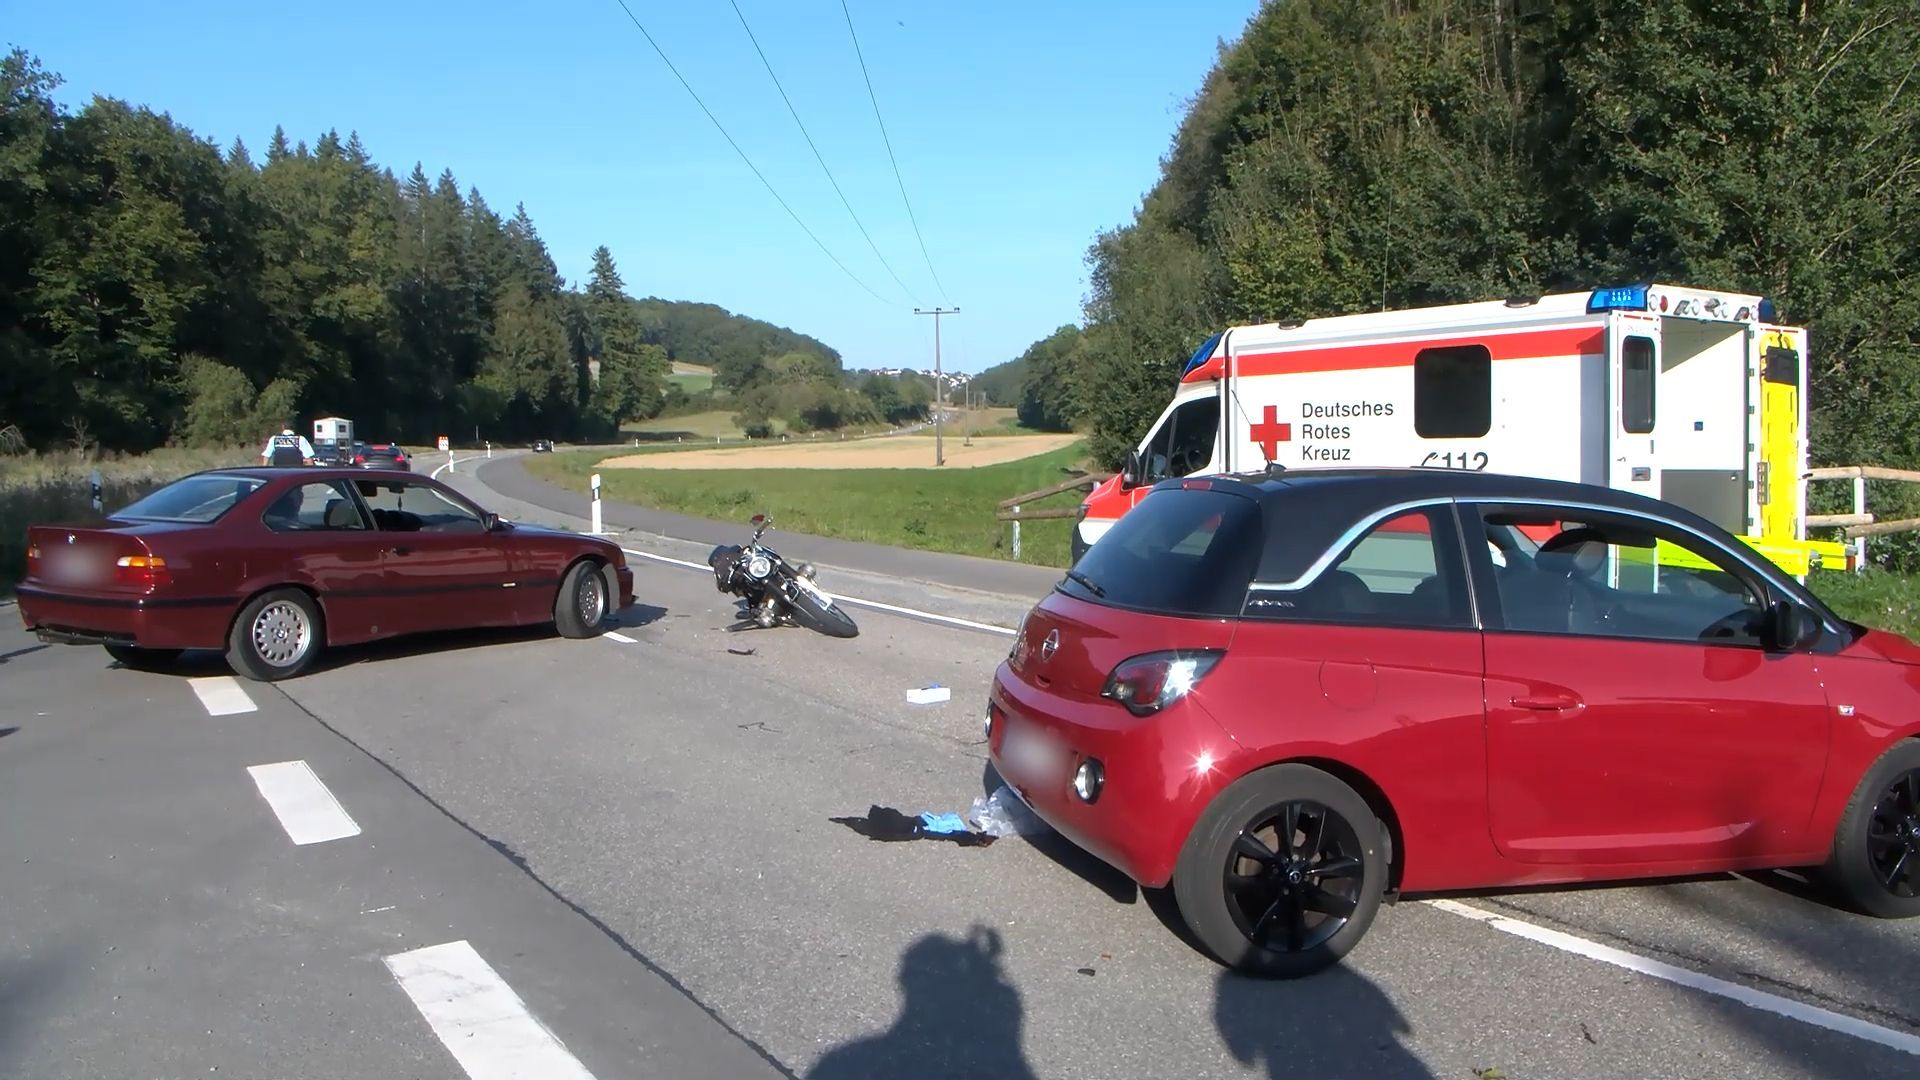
x,y
478,1016
1745,995
222,695
306,809
621,638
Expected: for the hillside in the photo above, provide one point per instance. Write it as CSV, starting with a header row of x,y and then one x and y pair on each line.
x,y
1344,158
710,336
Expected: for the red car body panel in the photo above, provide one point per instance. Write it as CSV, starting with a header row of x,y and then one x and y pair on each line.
x,y
370,583
1617,764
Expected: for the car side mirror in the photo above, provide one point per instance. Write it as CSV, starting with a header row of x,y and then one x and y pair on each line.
x,y
1130,470
1793,627
492,521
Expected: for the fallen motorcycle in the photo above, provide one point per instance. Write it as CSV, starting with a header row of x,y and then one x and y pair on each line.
x,y
775,590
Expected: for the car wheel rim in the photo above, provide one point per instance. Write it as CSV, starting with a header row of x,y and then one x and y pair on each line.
x,y
1293,876
282,634
590,599
1893,836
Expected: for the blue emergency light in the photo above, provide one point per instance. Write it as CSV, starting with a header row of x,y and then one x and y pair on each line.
x,y
1202,354
1618,298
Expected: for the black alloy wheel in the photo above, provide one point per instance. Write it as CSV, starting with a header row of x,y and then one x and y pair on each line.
x,y
1292,877
1893,836
1283,873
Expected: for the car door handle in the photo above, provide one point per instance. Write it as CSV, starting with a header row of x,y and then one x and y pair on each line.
x,y
401,550
1547,702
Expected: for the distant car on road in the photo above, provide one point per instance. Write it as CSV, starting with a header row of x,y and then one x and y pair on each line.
x,y
543,446
381,456
1288,694
271,565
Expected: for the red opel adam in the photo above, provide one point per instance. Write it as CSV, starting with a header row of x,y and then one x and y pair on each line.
x,y
1287,695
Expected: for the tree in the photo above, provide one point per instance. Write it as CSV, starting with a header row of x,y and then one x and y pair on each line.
x,y
632,373
1048,395
149,281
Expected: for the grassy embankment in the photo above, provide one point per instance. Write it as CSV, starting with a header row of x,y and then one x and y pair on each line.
x,y
928,509
41,488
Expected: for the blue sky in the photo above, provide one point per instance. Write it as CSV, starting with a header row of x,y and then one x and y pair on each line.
x,y
1022,130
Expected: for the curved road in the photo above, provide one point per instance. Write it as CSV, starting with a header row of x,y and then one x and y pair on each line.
x,y
615,857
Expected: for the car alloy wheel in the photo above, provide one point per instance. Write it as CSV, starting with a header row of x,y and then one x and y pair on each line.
x,y
281,634
1293,876
1893,836
590,599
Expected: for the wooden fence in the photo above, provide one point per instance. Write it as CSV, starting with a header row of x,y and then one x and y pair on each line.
x,y
1861,524
1009,509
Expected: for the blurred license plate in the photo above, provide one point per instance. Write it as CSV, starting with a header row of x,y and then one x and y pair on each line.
x,y
75,567
1030,753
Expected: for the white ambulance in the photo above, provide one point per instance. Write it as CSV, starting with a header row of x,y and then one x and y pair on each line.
x,y
1689,395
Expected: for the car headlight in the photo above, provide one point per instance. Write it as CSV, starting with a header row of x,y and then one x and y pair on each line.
x,y
759,566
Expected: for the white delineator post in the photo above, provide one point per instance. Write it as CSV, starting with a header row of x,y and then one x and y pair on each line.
x,y
1859,507
1016,532
596,505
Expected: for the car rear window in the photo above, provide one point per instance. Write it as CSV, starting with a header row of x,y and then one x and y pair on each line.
x,y
198,499
1187,551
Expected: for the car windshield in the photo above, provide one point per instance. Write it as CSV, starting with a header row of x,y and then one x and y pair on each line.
x,y
1181,552
199,499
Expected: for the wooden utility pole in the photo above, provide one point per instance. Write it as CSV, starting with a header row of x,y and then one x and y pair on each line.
x,y
939,444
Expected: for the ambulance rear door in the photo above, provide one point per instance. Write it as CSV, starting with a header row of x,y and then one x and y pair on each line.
x,y
1780,450
1633,376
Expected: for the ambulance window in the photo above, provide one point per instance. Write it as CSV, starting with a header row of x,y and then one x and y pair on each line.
x,y
1185,445
1453,392
1636,385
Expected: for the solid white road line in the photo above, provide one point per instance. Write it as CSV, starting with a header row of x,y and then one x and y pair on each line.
x,y
907,611
306,809
1757,999
621,638
479,1017
222,695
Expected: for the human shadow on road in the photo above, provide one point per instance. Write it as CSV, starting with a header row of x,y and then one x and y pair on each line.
x,y
1336,1023
961,1019
1089,868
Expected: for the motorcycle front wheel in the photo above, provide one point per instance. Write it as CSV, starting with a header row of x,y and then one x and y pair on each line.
x,y
813,610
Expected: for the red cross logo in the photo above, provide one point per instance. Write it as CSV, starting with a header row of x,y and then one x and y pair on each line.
x,y
1270,432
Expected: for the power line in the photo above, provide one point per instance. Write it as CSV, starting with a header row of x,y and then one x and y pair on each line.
x,y
816,151
889,143
743,156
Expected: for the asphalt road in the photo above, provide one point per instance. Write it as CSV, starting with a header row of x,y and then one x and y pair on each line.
x,y
634,837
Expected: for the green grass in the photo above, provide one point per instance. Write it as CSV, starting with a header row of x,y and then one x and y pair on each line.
x,y
1877,598
38,489
692,382
928,509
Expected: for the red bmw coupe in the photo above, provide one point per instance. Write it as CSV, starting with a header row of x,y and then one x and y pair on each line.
x,y
270,565
1290,695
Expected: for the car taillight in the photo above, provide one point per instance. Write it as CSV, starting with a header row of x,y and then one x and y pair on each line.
x,y
1148,683
359,459
33,559
144,570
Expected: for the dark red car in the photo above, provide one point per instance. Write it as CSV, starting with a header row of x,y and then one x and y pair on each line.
x,y
269,565
1290,695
